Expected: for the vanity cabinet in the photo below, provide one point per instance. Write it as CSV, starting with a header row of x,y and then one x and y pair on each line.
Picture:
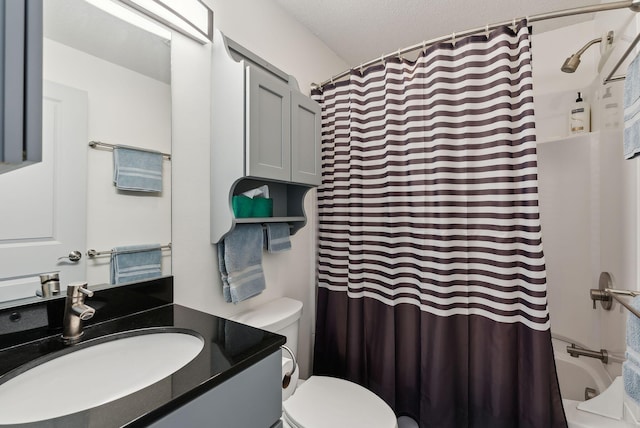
x,y
264,132
252,398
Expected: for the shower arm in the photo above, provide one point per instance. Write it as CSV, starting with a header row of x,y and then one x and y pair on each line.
x,y
587,46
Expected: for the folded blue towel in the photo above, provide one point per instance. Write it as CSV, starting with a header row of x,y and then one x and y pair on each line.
x,y
277,237
135,263
633,327
631,380
137,170
632,356
631,102
242,252
226,291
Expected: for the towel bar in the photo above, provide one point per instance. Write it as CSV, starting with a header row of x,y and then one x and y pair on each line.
x,y
94,144
629,293
93,253
611,77
264,225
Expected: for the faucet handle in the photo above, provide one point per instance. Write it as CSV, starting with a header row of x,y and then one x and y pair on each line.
x,y
77,289
86,291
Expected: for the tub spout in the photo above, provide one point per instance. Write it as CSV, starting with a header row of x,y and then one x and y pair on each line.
x,y
576,352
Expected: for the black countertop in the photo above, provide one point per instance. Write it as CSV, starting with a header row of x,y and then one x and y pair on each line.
x,y
229,348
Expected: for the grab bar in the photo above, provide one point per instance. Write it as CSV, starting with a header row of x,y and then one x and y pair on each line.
x,y
611,77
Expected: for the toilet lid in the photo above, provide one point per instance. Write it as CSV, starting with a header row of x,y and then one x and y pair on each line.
x,y
329,402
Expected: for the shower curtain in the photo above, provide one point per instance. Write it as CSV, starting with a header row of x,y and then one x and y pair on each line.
x,y
431,275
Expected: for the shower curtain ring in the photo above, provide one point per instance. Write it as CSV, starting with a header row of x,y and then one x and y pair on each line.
x,y
486,31
361,69
424,46
453,39
515,28
399,55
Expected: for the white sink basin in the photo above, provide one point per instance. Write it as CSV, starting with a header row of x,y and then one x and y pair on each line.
x,y
94,375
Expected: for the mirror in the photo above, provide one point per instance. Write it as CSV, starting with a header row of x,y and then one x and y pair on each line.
x,y
104,80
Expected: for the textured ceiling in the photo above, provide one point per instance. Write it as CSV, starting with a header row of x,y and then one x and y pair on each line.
x,y
360,30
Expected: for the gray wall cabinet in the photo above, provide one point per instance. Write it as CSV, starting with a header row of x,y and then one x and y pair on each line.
x,y
268,126
20,83
265,131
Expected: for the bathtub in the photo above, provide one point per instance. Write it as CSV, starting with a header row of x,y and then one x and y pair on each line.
x,y
574,376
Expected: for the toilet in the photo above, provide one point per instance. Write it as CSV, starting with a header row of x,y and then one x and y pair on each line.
x,y
320,401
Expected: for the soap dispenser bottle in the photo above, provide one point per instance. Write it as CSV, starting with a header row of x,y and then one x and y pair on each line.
x,y
580,116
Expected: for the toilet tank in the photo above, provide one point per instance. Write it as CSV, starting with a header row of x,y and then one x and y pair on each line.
x,y
280,316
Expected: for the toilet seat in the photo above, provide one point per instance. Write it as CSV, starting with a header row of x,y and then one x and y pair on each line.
x,y
326,402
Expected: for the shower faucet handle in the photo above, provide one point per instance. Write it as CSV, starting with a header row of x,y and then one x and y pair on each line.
x,y
605,283
603,296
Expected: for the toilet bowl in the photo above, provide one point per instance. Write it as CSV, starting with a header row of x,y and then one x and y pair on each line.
x,y
320,401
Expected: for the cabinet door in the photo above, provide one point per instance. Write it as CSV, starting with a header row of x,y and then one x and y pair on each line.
x,y
268,124
305,140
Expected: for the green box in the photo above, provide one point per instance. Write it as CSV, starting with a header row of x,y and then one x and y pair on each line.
x,y
245,207
242,206
262,207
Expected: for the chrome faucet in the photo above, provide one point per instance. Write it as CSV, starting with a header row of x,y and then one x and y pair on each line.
x,y
75,311
49,284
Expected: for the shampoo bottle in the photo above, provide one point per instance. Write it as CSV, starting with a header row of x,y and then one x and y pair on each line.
x,y
580,116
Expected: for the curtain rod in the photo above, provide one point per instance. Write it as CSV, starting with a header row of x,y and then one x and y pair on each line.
x,y
634,5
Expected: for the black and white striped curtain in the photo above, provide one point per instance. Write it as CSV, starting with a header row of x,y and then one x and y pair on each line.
x,y
432,286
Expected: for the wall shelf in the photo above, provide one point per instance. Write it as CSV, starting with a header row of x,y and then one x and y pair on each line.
x,y
572,137
269,220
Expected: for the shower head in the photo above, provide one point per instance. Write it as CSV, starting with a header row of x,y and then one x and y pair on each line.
x,y
571,64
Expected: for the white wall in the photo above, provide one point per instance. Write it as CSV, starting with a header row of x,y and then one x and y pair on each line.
x,y
265,29
588,193
127,108
618,187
